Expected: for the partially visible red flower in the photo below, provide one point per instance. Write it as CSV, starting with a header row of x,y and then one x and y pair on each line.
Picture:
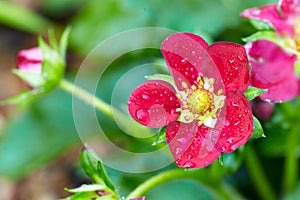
x,y
273,69
284,17
276,67
30,60
206,113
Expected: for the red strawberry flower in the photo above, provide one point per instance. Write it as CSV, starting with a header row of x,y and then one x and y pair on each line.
x,y
204,109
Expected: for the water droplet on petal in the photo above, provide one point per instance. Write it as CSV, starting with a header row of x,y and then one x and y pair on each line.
x,y
177,150
230,140
189,164
231,60
183,60
142,115
146,97
177,161
189,156
182,140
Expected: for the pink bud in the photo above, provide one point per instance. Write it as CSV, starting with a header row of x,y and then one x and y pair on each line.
x,y
30,60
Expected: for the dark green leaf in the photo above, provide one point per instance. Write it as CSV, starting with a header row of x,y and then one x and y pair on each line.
x,y
253,92
258,130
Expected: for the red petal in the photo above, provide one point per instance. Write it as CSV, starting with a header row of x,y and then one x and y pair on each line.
x,y
273,69
191,145
270,14
239,123
154,104
232,62
183,54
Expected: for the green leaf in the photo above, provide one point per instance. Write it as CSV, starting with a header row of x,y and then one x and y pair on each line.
x,y
258,130
160,136
253,92
95,169
33,79
162,77
86,188
104,176
89,165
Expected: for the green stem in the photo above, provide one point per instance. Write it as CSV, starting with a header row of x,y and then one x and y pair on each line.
x,y
177,174
258,177
87,97
105,109
291,162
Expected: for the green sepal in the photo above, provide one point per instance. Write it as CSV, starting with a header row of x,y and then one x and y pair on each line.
x,y
162,77
253,92
260,25
257,129
35,80
286,43
160,136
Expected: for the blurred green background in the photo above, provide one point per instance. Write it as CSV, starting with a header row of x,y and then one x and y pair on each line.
x,y
39,145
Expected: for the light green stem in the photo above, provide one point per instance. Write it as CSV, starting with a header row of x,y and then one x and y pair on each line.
x,y
291,161
197,175
87,97
105,109
258,177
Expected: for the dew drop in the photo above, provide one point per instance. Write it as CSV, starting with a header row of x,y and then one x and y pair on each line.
x,y
142,115
230,140
182,140
193,52
189,156
146,97
189,164
177,150
183,60
231,60
177,161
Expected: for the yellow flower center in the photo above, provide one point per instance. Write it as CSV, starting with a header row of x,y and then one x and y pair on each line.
x,y
199,102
